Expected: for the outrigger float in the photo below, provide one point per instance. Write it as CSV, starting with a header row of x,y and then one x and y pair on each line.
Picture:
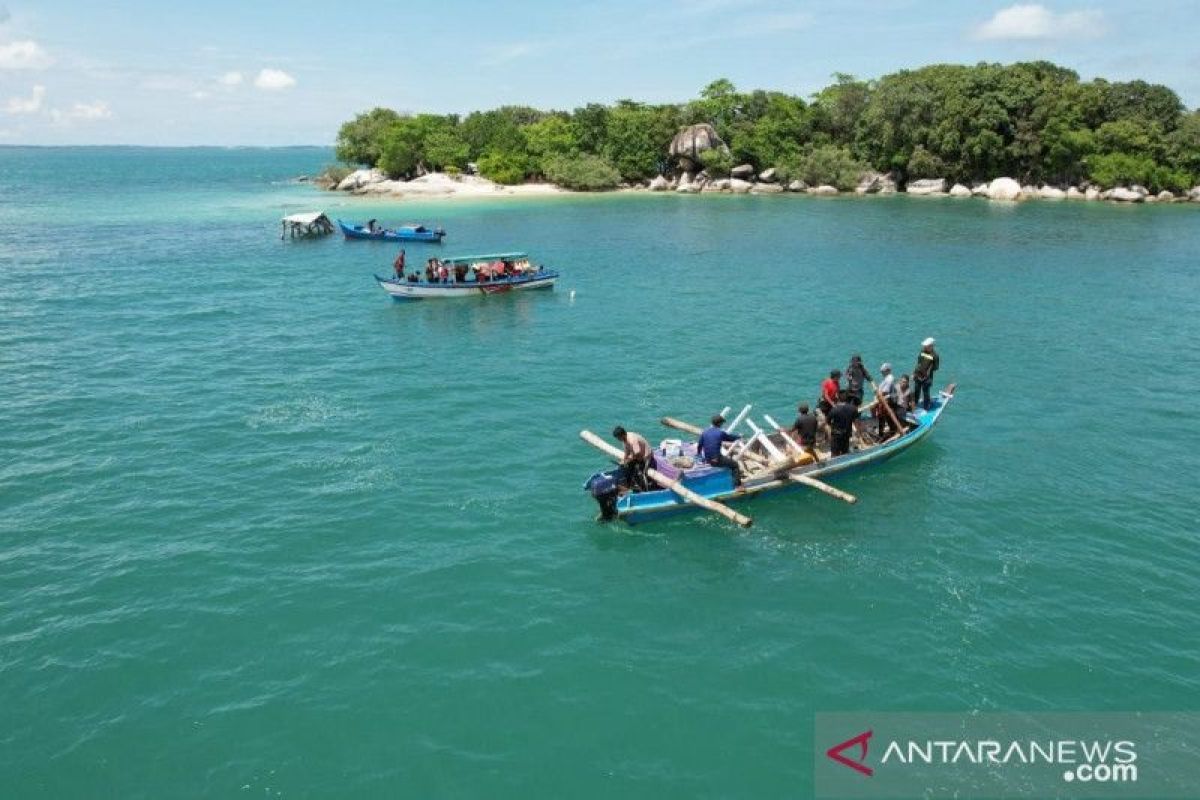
x,y
770,460
472,276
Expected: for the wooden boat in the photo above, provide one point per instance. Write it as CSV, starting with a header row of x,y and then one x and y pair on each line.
x,y
770,460
473,276
310,223
404,233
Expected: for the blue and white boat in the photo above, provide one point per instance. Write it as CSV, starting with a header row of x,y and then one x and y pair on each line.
x,y
771,462
404,233
470,276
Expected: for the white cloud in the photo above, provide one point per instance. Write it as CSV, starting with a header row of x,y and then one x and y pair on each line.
x,y
230,79
1033,21
26,54
27,105
82,112
273,80
200,94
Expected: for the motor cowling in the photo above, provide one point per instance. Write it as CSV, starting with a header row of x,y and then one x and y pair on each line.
x,y
605,489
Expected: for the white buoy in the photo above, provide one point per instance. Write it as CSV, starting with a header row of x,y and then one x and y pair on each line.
x,y
572,296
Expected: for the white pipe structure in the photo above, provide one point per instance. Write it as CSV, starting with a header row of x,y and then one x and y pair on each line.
x,y
791,443
767,444
738,419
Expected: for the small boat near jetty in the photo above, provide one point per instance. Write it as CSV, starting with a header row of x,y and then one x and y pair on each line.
x,y
470,276
309,223
403,233
771,461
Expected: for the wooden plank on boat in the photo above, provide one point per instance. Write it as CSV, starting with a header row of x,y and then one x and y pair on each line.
x,y
675,486
821,486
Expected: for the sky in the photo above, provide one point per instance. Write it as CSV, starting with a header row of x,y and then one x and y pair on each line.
x,y
232,72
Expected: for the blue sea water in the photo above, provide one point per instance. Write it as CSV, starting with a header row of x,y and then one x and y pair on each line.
x,y
264,532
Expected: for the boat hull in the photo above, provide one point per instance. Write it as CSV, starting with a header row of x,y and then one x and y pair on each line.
x,y
399,235
405,291
635,508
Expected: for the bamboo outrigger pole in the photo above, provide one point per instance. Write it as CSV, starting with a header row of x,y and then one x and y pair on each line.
x,y
821,486
675,486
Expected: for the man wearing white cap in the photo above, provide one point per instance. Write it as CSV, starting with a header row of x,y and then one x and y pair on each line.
x,y
927,364
887,390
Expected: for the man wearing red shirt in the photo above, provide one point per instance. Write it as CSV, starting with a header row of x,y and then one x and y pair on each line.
x,y
830,387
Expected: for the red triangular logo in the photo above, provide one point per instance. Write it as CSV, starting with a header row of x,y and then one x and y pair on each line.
x,y
858,764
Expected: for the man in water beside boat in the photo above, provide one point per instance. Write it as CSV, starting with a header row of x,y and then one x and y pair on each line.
x,y
709,448
639,456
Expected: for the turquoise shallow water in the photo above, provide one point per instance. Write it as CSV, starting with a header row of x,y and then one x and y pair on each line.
x,y
265,533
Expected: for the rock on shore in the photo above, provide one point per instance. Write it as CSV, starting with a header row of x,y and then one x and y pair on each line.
x,y
927,186
1003,189
743,180
692,141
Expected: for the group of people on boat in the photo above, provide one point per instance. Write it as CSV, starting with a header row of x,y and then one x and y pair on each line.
x,y
836,418
839,407
438,271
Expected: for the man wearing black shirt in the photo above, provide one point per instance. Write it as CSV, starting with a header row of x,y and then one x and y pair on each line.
x,y
842,420
806,430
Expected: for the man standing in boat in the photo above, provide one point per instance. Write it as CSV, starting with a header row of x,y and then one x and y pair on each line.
x,y
887,390
805,429
830,387
709,447
928,362
398,265
843,419
639,457
856,376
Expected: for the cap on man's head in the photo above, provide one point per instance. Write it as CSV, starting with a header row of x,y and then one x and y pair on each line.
x,y
886,367
928,342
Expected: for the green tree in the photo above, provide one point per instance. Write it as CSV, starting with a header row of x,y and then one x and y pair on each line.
x,y
637,139
445,147
923,164
717,163
591,127
552,136
582,172
360,140
504,167
825,164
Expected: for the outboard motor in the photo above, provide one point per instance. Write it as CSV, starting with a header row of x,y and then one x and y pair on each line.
x,y
605,489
